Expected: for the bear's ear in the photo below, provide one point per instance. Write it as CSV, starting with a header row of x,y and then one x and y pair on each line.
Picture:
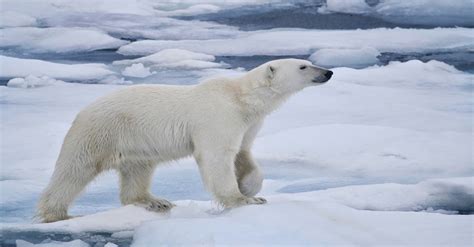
x,y
270,71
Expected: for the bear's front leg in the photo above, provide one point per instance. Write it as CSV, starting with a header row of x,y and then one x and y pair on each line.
x,y
248,173
218,173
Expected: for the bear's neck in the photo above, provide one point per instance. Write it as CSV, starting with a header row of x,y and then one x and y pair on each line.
x,y
258,99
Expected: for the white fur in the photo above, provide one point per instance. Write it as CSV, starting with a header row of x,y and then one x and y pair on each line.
x,y
134,129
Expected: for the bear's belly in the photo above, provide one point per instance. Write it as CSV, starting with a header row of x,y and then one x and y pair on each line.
x,y
156,149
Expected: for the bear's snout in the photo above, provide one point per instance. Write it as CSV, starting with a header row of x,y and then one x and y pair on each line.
x,y
324,77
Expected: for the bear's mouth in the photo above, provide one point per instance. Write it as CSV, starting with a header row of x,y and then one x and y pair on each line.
x,y
320,79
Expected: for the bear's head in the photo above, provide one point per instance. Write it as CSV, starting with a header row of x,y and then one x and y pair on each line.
x,y
292,75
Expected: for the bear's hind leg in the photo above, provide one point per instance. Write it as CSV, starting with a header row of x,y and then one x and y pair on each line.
x,y
135,181
68,180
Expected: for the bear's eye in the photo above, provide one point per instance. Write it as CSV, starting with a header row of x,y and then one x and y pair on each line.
x,y
303,67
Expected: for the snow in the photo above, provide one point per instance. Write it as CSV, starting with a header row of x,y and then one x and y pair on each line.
x,y
286,221
171,59
47,8
124,18
432,12
74,243
136,70
277,42
455,194
392,151
196,9
57,39
115,220
424,12
190,64
168,56
18,67
32,81
333,216
15,19
354,58
144,27
123,234
435,75
347,6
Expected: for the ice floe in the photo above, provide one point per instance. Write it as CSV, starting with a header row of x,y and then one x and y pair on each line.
x,y
57,40
345,6
345,215
32,81
168,56
136,70
18,67
354,58
15,19
421,12
301,42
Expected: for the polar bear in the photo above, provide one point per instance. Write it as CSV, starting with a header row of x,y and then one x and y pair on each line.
x,y
134,129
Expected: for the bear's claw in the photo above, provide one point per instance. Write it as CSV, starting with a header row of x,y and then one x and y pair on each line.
x,y
156,205
256,200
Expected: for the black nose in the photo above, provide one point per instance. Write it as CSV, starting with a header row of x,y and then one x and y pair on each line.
x,y
328,74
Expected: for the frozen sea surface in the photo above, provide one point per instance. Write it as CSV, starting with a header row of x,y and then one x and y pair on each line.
x,y
382,154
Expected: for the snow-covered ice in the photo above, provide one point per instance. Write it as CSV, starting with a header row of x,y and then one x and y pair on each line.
x,y
277,42
354,58
457,12
424,12
56,39
128,19
325,217
136,70
346,6
287,220
15,19
18,67
32,81
380,155
137,27
435,75
175,59
46,8
192,10
168,56
73,243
